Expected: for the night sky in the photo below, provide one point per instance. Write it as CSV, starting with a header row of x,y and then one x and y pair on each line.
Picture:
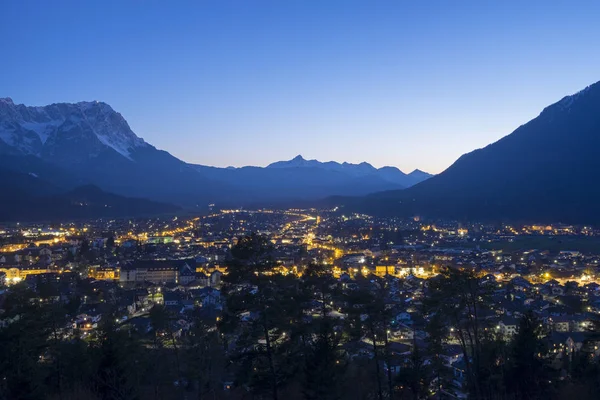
x,y
410,84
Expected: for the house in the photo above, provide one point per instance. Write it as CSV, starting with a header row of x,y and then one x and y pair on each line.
x,y
187,274
87,321
582,323
570,341
560,323
200,281
521,284
209,297
508,326
172,299
398,354
215,278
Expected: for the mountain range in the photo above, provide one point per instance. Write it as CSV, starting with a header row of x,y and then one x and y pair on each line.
x,y
391,174
64,146
300,179
546,170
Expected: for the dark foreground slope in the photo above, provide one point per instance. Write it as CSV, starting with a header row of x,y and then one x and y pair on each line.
x,y
546,170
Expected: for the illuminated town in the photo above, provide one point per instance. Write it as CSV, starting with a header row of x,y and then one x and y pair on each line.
x,y
349,245
181,265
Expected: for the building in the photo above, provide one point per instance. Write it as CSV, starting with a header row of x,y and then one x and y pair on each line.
x,y
215,278
159,272
107,273
187,274
383,270
561,323
160,240
508,326
19,273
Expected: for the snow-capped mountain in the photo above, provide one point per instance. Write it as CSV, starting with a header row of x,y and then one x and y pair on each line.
x,y
40,130
90,143
390,174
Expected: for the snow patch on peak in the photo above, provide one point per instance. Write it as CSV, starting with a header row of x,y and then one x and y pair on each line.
x,y
42,129
110,127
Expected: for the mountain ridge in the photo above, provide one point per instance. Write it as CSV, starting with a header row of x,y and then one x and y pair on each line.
x,y
543,171
389,173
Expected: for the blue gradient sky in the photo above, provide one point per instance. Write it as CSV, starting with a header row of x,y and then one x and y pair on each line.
x,y
411,84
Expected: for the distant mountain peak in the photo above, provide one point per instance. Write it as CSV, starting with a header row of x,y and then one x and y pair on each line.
x,y
6,100
84,105
419,175
364,169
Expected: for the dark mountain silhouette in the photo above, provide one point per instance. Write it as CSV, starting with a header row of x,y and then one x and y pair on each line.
x,y
295,183
26,197
364,169
546,170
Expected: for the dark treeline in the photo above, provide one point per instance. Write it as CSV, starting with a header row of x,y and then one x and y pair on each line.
x,y
283,336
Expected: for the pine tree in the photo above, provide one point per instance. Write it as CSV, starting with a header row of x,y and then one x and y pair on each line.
x,y
459,299
323,364
527,377
115,354
414,376
261,310
437,333
22,342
